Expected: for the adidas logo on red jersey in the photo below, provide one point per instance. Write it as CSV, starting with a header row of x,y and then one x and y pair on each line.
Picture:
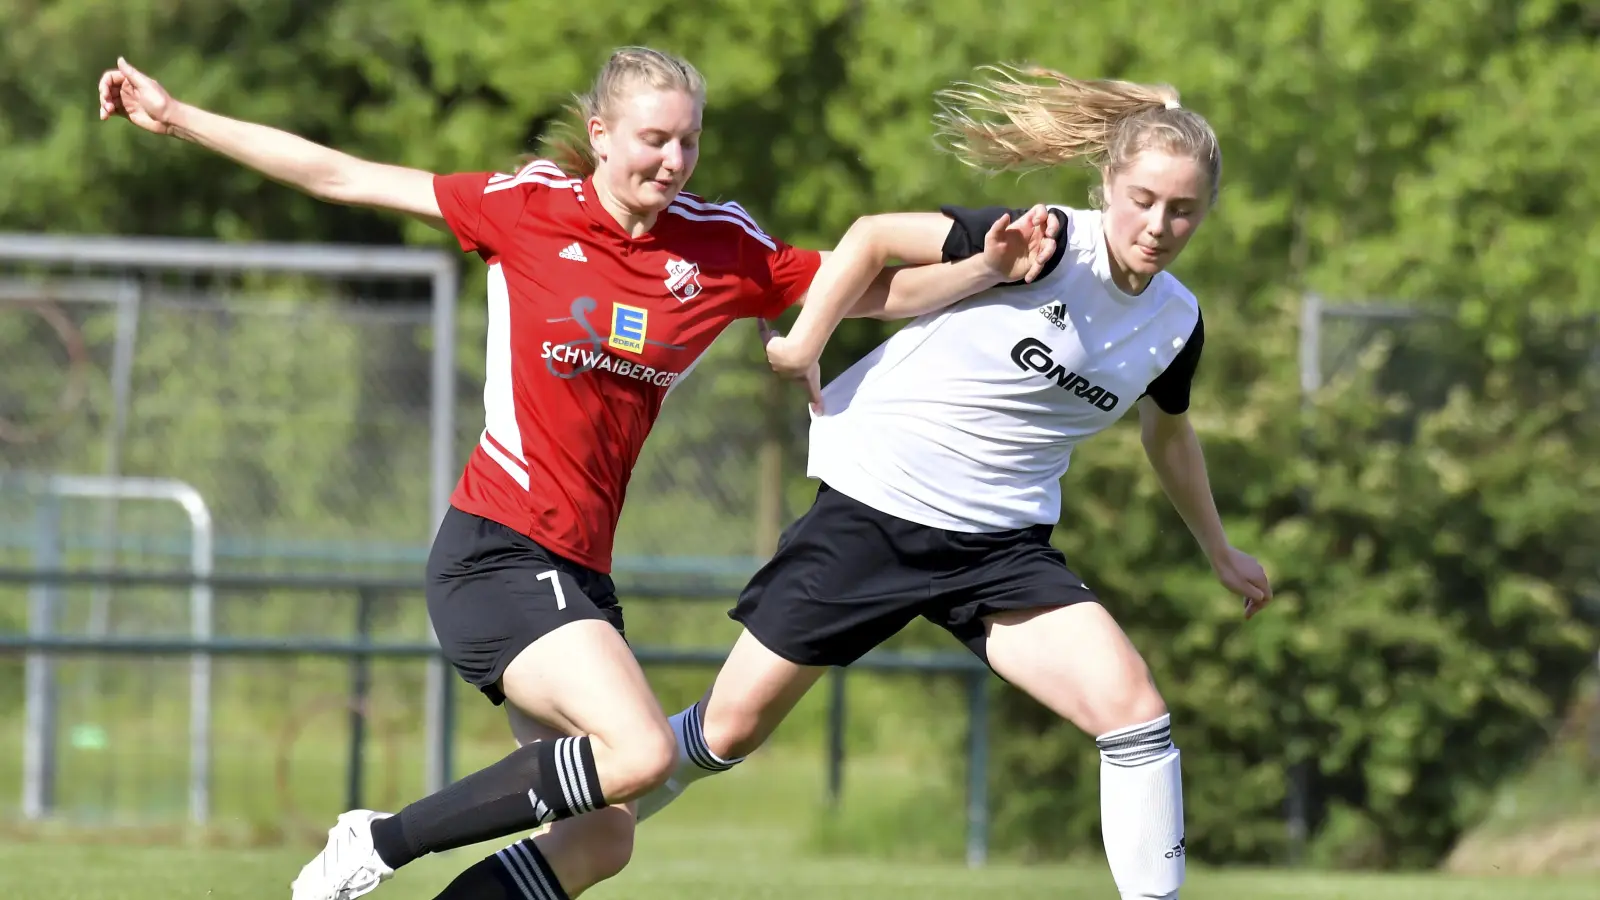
x,y
574,253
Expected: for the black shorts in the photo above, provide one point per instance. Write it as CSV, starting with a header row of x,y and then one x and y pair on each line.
x,y
846,578
492,591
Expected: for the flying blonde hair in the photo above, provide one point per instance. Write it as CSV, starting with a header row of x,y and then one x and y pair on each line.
x,y
1024,118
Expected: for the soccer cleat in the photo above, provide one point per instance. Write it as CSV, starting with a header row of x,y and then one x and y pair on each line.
x,y
348,866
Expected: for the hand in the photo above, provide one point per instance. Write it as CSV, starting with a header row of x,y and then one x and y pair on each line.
x,y
790,361
128,92
1018,251
1240,573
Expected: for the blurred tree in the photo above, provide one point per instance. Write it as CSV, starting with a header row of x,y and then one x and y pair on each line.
x,y
1429,518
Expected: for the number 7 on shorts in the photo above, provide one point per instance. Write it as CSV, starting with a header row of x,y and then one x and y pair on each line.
x,y
555,585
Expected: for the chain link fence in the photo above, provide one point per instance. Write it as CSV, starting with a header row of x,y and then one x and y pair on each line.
x,y
288,412
189,406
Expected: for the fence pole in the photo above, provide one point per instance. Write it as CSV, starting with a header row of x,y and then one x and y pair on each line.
x,y
836,724
360,688
977,768
39,730
438,682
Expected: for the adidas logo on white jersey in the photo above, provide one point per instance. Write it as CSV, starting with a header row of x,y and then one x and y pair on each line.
x,y
574,253
1057,314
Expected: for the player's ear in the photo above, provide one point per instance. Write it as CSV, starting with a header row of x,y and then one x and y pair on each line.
x,y
599,137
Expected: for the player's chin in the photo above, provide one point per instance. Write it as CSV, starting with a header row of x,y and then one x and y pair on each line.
x,y
658,195
1145,261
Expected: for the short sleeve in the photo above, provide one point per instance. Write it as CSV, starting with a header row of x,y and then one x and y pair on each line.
x,y
968,227
483,208
1170,389
782,275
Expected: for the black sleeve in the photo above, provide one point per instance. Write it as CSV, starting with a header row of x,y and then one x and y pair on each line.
x,y
968,226
1170,390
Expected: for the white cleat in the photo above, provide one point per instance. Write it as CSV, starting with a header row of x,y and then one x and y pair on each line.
x,y
348,866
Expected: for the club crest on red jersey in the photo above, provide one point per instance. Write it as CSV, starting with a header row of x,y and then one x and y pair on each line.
x,y
683,279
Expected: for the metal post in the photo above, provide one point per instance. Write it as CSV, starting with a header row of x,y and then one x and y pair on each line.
x,y
1593,759
1295,807
977,768
360,688
39,730
836,728
201,608
122,352
201,552
1310,346
1311,309
438,710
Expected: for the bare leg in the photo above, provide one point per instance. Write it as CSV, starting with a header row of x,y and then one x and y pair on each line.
x,y
754,692
1078,663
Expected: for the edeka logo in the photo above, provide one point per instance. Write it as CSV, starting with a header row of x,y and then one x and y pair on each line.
x,y
628,326
570,359
1031,353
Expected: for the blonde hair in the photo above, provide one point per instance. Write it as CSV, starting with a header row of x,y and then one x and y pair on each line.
x,y
1030,117
630,69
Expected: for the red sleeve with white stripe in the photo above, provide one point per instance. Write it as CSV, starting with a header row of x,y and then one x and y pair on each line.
x,y
483,208
786,272
779,274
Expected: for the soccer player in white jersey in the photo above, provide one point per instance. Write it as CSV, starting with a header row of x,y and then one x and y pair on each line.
x,y
941,453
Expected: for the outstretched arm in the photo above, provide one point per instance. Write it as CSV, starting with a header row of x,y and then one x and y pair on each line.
x,y
1180,465
853,282
311,168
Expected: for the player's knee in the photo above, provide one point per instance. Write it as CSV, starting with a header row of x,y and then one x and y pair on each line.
x,y
642,762
1131,699
587,850
733,733
608,859
605,852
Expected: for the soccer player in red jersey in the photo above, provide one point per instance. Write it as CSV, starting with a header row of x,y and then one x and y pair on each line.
x,y
606,283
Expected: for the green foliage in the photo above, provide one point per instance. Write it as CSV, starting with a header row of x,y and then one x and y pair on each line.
x,y
1428,562
1429,516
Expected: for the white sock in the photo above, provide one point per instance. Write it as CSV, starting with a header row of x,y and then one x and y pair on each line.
x,y
695,761
1141,810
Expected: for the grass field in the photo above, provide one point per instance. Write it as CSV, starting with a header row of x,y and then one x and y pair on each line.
x,y
769,846
758,832
733,863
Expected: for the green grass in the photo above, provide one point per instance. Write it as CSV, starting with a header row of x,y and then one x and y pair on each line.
x,y
759,831
753,833
701,862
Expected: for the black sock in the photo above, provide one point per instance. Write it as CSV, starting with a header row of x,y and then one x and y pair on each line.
x,y
538,783
519,872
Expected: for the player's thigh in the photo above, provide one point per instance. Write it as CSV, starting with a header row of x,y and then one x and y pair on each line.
x,y
586,849
754,692
1077,662
582,678
1038,626
545,633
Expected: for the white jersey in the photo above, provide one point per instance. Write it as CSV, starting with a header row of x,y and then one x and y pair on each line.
x,y
966,419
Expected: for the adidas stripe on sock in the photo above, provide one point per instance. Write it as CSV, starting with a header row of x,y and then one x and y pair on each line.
x,y
530,872
568,784
533,785
1141,810
695,761
692,735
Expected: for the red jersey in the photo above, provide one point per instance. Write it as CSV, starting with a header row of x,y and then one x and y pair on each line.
x,y
589,329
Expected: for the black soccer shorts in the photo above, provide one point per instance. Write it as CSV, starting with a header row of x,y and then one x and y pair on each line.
x,y
492,591
847,577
